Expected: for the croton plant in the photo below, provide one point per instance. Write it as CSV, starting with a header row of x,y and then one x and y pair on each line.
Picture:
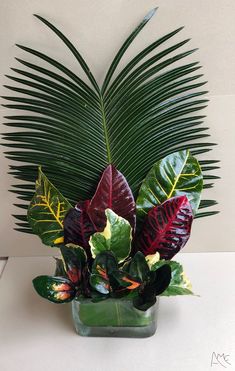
x,y
114,246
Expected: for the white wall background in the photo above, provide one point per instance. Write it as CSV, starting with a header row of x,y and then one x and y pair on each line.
x,y
98,28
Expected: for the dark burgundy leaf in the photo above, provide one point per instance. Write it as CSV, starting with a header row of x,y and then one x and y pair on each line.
x,y
162,279
167,228
78,226
145,300
113,192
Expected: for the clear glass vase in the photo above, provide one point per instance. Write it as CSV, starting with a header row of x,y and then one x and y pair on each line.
x,y
113,318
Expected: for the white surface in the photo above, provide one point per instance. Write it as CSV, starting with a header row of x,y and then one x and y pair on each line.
x,y
98,28
36,335
2,265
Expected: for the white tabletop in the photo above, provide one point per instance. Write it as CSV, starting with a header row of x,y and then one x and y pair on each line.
x,y
2,265
36,335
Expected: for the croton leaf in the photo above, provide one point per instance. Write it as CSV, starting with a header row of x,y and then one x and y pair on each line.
x,y
107,278
180,284
86,289
60,269
159,282
97,297
167,228
113,192
99,283
74,258
152,259
126,280
175,175
55,289
144,301
47,210
162,279
116,237
78,226
103,266
138,267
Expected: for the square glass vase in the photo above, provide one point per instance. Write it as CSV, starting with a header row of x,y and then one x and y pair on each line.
x,y
113,318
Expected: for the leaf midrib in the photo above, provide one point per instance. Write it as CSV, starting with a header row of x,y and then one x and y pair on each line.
x,y
105,129
178,176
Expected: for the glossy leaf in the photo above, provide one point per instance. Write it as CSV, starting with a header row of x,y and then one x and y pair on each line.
x,y
86,288
60,269
180,284
103,266
126,280
99,283
106,278
75,259
145,301
138,267
175,175
55,289
47,210
152,259
148,110
78,226
167,228
160,281
116,237
113,192
98,297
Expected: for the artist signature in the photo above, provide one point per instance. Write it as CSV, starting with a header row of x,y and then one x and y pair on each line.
x,y
220,359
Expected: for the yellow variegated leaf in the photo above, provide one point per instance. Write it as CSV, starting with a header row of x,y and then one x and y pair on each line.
x,y
47,211
152,259
116,237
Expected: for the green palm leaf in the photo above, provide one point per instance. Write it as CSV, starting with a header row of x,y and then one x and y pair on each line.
x,y
73,128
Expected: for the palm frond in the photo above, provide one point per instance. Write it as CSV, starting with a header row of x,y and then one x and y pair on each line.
x,y
73,129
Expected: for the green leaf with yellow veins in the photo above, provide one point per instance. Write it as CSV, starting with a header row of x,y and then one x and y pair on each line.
x,y
180,284
175,175
47,210
116,237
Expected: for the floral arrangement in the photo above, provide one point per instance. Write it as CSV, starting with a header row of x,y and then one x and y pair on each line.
x,y
116,242
113,247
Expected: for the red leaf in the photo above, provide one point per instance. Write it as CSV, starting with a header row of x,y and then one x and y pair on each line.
x,y
74,274
113,192
167,228
78,226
